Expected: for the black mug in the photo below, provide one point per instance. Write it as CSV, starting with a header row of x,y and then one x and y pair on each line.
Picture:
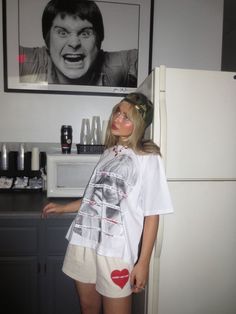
x,y
66,139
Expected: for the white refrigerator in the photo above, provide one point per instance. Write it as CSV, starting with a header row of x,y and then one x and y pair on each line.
x,y
193,266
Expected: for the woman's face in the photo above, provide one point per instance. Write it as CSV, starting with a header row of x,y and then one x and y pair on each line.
x,y
121,125
72,46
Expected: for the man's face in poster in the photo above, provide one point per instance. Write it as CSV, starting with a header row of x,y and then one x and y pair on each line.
x,y
72,47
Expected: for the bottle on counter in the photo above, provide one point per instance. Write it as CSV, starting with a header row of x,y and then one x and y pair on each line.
x,y
4,157
66,139
21,157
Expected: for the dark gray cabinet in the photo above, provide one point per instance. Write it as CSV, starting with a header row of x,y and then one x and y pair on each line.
x,y
60,290
32,251
19,285
31,256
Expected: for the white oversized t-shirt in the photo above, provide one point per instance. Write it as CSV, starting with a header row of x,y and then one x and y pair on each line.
x,y
124,188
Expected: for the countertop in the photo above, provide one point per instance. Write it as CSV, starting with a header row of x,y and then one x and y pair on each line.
x,y
27,203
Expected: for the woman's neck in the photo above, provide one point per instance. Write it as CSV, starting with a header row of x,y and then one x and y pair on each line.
x,y
123,141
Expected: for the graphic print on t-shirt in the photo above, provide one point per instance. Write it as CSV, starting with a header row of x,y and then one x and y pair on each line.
x,y
100,216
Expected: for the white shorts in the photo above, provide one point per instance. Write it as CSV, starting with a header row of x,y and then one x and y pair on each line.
x,y
110,275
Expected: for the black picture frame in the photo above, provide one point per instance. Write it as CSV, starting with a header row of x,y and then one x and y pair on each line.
x,y
126,17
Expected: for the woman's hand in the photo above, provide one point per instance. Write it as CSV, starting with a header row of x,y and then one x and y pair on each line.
x,y
52,208
139,277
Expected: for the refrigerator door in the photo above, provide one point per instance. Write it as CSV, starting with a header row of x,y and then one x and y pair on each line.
x,y
192,269
197,263
198,127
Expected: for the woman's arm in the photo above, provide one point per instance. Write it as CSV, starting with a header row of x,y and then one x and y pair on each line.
x,y
54,208
139,275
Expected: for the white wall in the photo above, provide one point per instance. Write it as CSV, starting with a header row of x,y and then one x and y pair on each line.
x,y
187,34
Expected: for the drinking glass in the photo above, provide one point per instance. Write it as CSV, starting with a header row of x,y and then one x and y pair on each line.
x,y
85,134
96,132
104,129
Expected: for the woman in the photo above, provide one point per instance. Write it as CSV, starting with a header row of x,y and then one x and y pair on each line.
x,y
112,236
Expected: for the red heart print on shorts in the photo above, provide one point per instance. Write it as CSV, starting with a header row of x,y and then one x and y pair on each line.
x,y
120,277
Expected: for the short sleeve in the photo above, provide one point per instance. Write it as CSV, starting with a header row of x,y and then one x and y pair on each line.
x,y
155,193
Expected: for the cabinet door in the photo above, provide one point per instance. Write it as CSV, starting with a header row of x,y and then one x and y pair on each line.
x,y
19,278
19,285
61,293
61,296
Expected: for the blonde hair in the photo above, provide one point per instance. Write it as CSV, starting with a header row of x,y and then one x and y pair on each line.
x,y
136,140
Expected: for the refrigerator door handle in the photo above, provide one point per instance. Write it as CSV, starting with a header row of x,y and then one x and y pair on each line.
x,y
163,146
159,240
154,273
163,112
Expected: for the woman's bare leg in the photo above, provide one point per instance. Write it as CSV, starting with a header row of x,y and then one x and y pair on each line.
x,y
117,305
90,299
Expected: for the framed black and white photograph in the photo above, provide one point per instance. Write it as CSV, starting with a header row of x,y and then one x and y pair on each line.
x,y
76,46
